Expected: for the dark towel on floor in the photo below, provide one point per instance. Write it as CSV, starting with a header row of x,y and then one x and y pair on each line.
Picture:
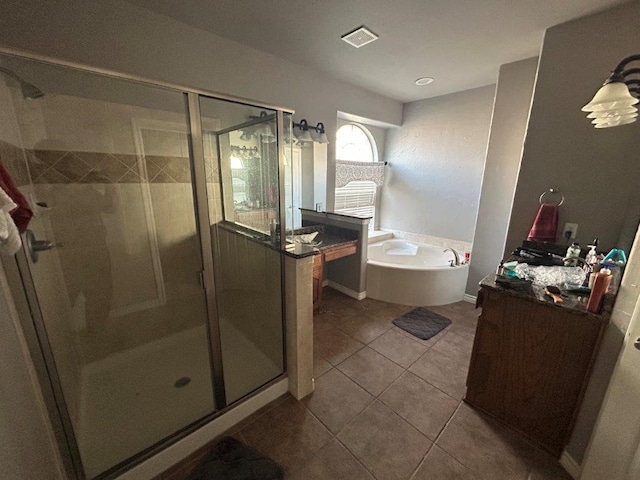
x,y
422,323
545,226
232,460
22,214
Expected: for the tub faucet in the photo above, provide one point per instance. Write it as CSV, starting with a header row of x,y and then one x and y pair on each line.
x,y
456,262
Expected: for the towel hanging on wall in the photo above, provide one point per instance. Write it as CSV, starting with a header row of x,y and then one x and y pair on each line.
x,y
545,225
10,241
21,213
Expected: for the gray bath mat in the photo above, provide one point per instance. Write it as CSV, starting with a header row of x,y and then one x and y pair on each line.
x,y
233,460
422,323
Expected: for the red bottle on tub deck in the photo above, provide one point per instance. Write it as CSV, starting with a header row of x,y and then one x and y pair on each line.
x,y
600,287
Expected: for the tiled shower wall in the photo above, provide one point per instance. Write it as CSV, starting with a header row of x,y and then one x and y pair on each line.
x,y
58,166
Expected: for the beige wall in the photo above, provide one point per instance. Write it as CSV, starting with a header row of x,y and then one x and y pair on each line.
x,y
436,159
27,441
508,126
596,170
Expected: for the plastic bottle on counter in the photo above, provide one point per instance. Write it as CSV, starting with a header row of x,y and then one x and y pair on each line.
x,y
591,258
500,269
598,291
573,253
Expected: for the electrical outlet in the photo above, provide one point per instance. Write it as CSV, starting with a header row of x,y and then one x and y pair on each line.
x,y
570,230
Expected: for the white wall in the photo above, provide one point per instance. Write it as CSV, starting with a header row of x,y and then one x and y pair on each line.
x,y
508,126
120,36
436,159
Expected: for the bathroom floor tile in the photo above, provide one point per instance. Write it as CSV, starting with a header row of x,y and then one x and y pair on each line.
x,y
333,462
419,403
370,370
320,366
288,433
438,465
456,346
388,446
332,344
442,372
398,348
362,326
337,400
485,447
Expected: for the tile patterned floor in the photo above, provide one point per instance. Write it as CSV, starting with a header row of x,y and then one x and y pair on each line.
x,y
387,406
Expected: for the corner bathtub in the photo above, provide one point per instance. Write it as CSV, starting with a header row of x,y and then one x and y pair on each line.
x,y
416,274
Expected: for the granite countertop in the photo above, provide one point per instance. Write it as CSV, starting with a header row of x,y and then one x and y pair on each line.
x,y
573,303
328,237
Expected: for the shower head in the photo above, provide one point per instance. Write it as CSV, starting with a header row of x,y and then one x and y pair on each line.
x,y
29,91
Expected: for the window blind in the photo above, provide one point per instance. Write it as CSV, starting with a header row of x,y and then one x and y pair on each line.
x,y
356,198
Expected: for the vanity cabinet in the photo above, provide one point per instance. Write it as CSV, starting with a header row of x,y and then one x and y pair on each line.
x,y
531,362
317,281
328,254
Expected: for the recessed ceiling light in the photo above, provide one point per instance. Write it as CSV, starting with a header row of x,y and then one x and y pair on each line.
x,y
360,37
424,81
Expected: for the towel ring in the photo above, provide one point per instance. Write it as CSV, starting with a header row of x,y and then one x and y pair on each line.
x,y
552,191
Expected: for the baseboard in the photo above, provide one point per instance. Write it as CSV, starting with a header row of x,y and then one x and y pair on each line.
x,y
154,466
572,467
348,291
469,298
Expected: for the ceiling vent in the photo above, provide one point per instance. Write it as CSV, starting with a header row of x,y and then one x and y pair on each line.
x,y
359,37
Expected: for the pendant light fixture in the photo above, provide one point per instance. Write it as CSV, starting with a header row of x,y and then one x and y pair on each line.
x,y
615,103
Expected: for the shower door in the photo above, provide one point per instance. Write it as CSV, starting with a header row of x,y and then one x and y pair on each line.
x,y
106,165
243,181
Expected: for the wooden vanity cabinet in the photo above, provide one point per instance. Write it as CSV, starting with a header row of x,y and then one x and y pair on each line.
x,y
530,365
318,269
328,254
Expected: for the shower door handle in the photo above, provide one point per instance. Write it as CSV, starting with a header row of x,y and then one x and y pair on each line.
x,y
35,246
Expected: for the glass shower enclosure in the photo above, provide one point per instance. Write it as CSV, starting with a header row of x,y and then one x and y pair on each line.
x,y
157,299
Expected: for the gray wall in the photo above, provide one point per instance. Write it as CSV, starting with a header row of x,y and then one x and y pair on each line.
x,y
117,35
508,126
597,170
436,158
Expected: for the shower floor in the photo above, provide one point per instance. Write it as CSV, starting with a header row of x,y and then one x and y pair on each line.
x,y
129,401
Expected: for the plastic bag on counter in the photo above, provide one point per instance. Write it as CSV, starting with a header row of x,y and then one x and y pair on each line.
x,y
557,276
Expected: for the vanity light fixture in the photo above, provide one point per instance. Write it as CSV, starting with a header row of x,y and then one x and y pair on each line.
x,y
307,134
302,134
614,104
318,134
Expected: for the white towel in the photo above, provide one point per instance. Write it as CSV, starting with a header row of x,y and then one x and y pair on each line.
x,y
10,241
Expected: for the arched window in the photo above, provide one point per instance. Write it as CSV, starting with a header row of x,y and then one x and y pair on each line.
x,y
354,143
